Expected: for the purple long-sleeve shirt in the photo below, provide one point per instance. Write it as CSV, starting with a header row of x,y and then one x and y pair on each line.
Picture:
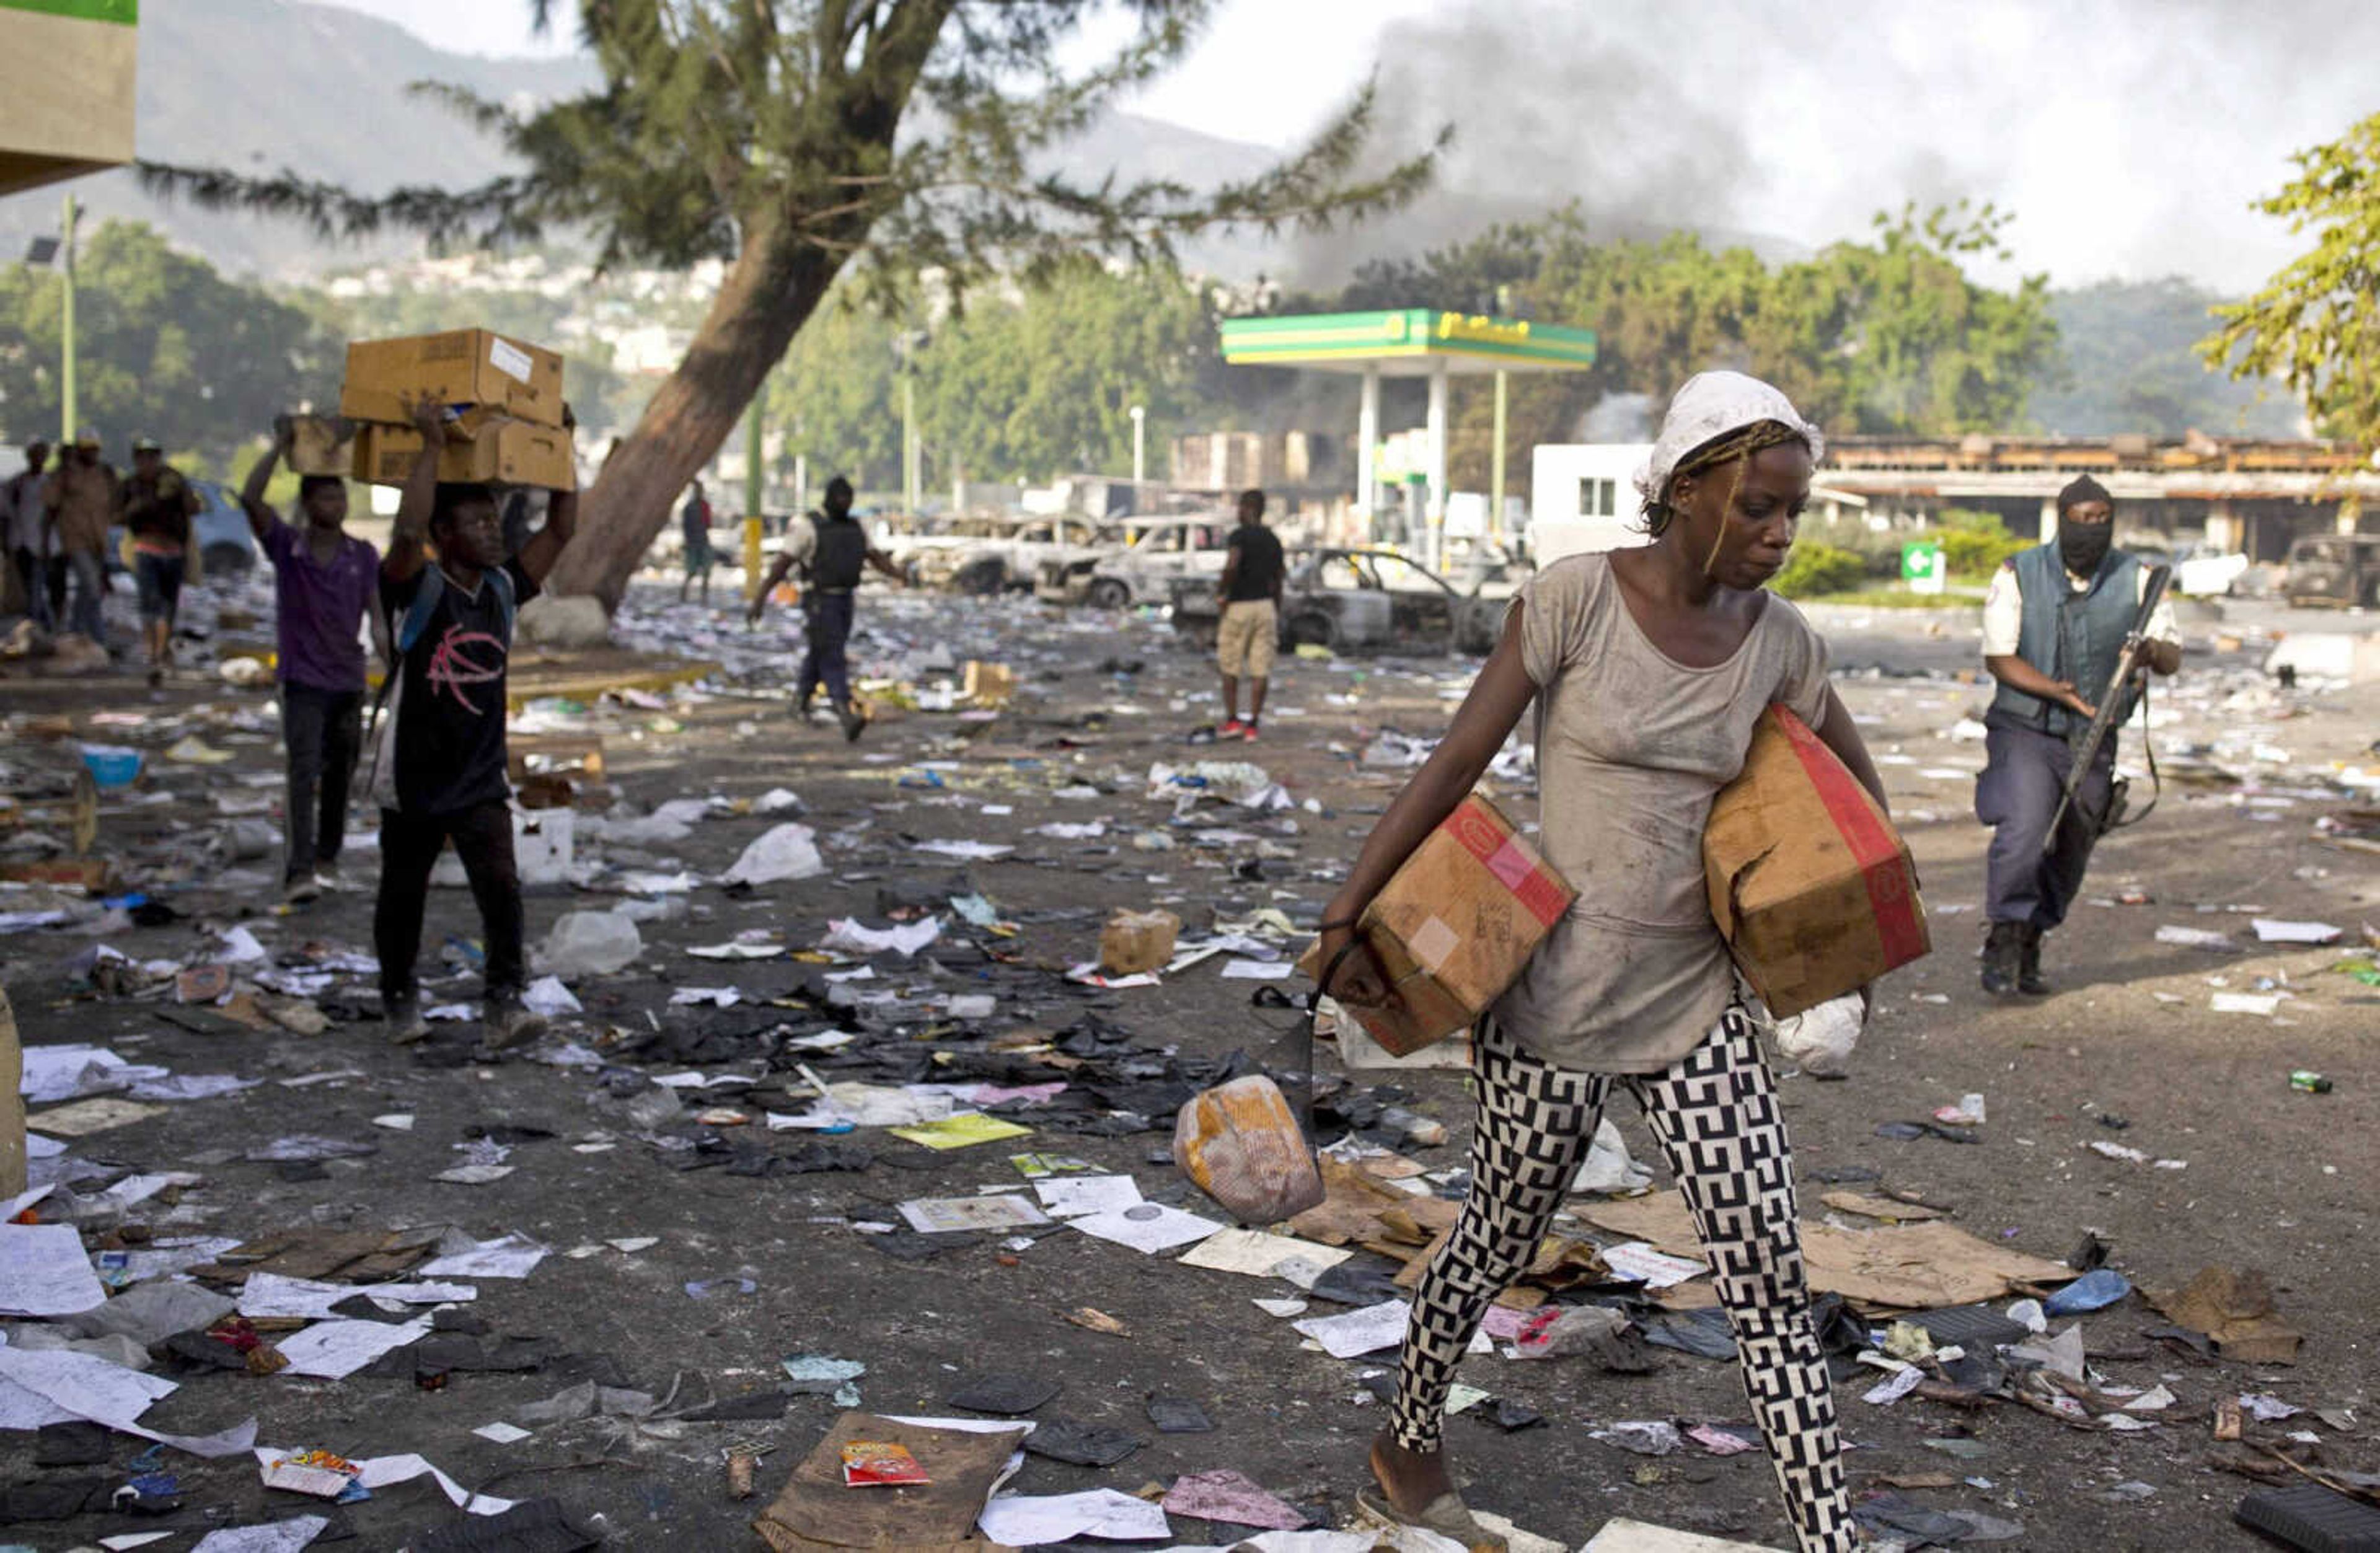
x,y
322,608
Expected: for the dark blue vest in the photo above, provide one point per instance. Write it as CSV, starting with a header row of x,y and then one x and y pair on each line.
x,y
2070,636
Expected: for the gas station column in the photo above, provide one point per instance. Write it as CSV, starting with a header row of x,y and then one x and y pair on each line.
x,y
1434,544
1367,446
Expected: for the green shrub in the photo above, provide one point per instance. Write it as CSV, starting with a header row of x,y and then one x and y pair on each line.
x,y
1815,567
1974,543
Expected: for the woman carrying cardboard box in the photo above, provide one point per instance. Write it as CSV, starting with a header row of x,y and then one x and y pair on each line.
x,y
1648,668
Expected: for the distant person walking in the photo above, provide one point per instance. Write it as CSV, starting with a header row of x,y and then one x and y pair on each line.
x,y
440,774
694,523
2054,621
33,551
81,499
324,579
831,549
157,504
1249,593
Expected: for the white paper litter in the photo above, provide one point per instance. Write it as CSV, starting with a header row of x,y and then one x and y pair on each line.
x,y
1032,1521
1358,1332
846,936
1147,1227
337,1348
45,1272
1071,1197
513,1256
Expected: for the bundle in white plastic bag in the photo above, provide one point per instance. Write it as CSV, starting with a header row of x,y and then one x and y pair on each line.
x,y
1820,1040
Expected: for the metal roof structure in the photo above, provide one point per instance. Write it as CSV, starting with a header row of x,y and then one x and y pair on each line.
x,y
1411,343
1406,341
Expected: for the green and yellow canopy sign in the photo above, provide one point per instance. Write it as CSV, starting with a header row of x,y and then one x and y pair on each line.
x,y
68,103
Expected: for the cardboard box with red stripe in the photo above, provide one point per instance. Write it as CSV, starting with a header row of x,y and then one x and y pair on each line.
x,y
1810,884
1454,926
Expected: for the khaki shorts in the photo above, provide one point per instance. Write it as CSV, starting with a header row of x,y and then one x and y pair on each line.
x,y
1244,645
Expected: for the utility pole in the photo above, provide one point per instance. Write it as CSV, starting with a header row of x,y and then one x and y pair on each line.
x,y
753,522
910,461
67,369
1139,463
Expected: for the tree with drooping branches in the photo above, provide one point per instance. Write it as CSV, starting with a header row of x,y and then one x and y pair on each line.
x,y
798,140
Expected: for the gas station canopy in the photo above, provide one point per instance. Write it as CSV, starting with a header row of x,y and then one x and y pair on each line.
x,y
1411,343
1406,341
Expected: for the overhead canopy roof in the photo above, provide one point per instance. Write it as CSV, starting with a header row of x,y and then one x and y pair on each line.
x,y
1406,341
68,106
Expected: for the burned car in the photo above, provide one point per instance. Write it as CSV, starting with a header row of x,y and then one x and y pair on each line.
x,y
2339,570
1351,601
1137,563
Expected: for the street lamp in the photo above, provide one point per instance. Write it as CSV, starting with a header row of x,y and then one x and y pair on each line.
x,y
1139,464
43,251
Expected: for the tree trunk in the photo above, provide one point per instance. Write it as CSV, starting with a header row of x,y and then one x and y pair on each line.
x,y
775,284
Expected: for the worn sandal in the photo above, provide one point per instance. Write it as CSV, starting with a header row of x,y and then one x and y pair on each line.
x,y
1447,1515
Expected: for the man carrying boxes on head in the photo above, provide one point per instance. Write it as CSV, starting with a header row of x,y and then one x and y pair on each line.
x,y
439,769
324,579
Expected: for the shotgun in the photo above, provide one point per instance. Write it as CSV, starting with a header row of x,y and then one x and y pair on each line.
x,y
2087,745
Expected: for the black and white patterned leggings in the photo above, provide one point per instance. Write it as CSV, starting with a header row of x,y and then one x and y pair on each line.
x,y
1716,1114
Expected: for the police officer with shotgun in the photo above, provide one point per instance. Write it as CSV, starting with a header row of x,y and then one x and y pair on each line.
x,y
2072,630
832,550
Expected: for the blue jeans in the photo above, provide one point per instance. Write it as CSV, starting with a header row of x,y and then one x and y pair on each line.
x,y
90,574
159,580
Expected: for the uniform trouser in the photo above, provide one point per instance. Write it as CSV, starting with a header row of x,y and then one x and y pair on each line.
x,y
409,845
323,730
828,628
2024,774
1716,1113
90,587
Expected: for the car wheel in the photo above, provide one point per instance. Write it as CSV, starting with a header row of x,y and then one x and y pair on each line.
x,y
1107,593
981,578
1312,628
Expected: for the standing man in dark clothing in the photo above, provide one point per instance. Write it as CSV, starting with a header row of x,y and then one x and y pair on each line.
x,y
33,545
1250,596
439,769
81,499
2056,619
157,504
694,523
323,582
832,550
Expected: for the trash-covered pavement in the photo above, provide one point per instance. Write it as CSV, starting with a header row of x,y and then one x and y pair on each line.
x,y
847,1161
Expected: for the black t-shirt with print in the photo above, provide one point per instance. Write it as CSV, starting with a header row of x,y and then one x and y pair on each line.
x,y
1260,563
450,725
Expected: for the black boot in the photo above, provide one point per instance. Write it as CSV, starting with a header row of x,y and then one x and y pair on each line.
x,y
2000,951
853,723
2028,963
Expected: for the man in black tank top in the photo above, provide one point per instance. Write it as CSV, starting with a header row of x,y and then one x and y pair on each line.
x,y
832,550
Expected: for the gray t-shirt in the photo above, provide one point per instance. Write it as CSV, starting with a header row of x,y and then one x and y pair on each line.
x,y
1632,747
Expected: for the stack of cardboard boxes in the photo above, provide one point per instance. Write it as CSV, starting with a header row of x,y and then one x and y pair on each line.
x,y
509,424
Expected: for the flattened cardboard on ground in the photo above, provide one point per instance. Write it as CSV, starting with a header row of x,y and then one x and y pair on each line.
x,y
1903,1266
2234,1308
85,1117
815,1509
1357,1209
1810,884
359,1256
1453,927
458,367
12,1102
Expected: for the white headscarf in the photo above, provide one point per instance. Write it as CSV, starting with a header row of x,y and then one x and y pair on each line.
x,y
1711,405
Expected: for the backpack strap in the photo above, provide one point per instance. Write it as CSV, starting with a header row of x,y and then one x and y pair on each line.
x,y
416,614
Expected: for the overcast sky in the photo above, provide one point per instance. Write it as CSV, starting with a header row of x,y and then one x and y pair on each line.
x,y
2128,136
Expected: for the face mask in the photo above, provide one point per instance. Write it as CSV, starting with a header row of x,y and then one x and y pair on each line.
x,y
2084,545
